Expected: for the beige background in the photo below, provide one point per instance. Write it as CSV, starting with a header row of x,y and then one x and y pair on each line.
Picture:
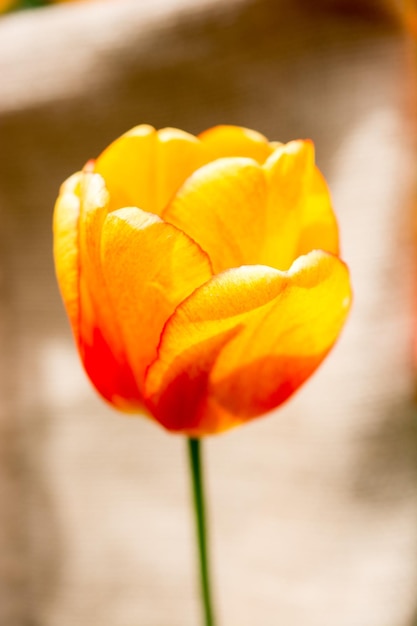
x,y
313,509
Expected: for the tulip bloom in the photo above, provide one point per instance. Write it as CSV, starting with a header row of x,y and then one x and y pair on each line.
x,y
200,274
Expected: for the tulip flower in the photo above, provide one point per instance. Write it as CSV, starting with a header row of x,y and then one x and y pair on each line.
x,y
200,274
202,279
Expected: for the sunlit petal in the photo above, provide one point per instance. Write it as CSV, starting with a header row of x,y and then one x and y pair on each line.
x,y
216,207
145,167
318,226
66,252
245,341
288,172
101,346
149,267
235,141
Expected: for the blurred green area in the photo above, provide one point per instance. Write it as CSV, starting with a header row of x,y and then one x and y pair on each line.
x,y
29,4
7,6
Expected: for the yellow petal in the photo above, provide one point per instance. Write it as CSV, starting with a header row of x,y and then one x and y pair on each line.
x,y
318,223
242,213
145,167
66,253
149,267
179,155
127,166
241,344
222,207
288,172
235,141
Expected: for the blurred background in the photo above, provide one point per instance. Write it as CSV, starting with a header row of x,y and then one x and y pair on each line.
x,y
313,509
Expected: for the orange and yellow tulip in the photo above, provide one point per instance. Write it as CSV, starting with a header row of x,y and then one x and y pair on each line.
x,y
200,274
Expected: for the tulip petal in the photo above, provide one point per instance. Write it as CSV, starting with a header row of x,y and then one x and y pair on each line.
x,y
149,267
145,167
242,213
101,345
318,223
127,167
242,343
79,212
179,155
236,141
216,207
288,173
66,254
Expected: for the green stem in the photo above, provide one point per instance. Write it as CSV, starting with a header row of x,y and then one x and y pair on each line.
x,y
200,519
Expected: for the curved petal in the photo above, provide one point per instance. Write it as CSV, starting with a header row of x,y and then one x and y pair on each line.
x,y
241,344
179,154
145,167
149,267
222,207
288,172
66,253
318,223
101,346
242,213
127,166
78,217
236,141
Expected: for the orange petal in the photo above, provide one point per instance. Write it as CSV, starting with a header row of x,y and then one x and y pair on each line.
x,y
241,344
149,267
78,215
222,207
145,167
95,310
235,141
